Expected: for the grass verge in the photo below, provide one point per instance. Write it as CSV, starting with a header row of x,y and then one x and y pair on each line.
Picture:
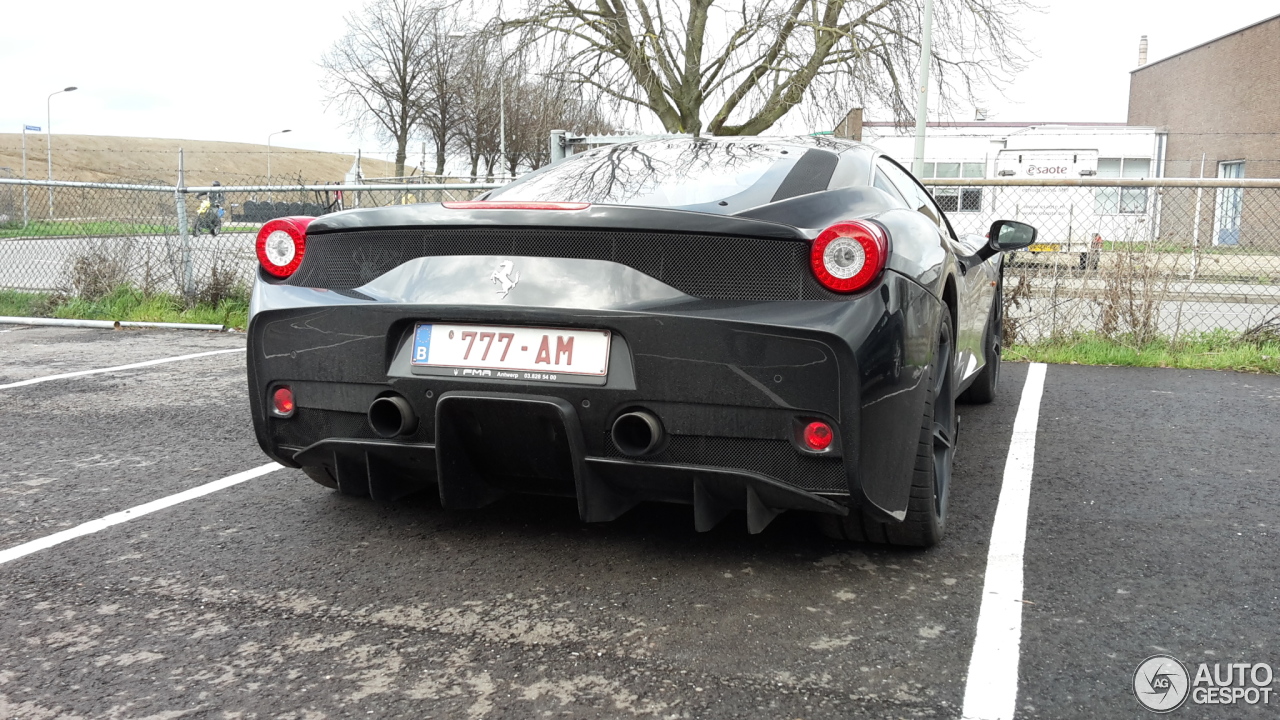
x,y
102,228
125,303
1217,350
46,228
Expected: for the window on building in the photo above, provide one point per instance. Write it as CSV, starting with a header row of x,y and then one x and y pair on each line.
x,y
955,199
1228,205
1121,201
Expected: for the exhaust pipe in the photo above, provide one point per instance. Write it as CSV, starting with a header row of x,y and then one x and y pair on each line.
x,y
638,433
392,416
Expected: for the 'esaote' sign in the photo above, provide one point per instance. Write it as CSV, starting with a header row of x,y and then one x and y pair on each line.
x,y
1047,163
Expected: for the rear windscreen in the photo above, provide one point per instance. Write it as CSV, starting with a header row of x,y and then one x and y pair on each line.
x,y
687,173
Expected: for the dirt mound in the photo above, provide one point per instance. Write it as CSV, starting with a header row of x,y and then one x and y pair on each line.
x,y
98,158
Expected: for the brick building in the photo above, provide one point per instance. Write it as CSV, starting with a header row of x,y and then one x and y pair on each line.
x,y
1218,101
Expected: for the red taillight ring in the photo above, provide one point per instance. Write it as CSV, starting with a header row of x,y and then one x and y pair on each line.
x,y
849,256
281,244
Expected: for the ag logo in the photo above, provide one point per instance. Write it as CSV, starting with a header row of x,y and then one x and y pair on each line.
x,y
1161,683
505,276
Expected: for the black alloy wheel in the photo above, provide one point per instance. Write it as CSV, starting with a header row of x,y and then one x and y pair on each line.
x,y
926,518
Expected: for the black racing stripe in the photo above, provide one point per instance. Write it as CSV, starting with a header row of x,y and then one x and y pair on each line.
x,y
811,173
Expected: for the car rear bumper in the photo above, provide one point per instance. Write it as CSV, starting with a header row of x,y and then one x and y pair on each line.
x,y
732,383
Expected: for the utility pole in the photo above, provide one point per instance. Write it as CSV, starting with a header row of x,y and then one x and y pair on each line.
x,y
922,100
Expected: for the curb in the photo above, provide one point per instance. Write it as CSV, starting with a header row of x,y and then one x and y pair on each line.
x,y
107,324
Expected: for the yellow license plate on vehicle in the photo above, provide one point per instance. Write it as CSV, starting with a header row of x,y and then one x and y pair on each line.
x,y
1044,247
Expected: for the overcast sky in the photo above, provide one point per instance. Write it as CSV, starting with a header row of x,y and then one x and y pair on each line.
x,y
239,69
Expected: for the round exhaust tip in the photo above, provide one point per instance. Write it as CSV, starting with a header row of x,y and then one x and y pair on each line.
x,y
638,433
392,416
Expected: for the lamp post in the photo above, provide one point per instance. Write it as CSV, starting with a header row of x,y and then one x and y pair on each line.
x,y
48,139
278,132
922,100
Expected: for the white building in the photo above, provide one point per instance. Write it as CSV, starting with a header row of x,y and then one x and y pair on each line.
x,y
1036,150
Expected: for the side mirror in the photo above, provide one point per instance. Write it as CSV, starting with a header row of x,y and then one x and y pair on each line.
x,y
1005,235
1009,235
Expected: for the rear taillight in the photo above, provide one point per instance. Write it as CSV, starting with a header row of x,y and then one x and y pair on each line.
x,y
514,205
281,245
282,401
818,436
849,256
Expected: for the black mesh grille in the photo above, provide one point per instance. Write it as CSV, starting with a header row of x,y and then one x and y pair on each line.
x,y
705,266
308,426
775,458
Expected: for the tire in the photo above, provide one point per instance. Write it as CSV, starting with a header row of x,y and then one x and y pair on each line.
x,y
321,475
926,520
984,387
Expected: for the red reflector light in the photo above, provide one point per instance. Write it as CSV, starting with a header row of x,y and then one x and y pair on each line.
x,y
514,205
818,435
849,256
282,401
281,245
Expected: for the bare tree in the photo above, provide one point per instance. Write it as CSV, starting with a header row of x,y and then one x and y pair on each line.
x,y
477,85
737,68
377,73
543,104
442,101
535,105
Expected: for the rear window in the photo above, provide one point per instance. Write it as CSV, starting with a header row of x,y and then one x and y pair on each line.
x,y
688,173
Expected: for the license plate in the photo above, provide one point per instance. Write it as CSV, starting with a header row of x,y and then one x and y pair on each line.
x,y
1044,247
510,353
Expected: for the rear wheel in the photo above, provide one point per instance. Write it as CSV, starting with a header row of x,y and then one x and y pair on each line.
x,y
984,387
926,519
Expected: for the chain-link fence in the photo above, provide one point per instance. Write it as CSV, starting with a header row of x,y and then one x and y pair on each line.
x,y
87,239
1134,259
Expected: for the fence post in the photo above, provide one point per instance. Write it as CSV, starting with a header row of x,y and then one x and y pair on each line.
x,y
1195,230
184,232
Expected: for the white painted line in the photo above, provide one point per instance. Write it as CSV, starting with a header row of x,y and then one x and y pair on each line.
x,y
117,368
991,691
103,523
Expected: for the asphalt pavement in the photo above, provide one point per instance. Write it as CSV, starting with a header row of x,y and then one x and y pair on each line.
x,y
1151,529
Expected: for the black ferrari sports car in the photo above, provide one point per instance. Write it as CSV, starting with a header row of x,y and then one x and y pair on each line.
x,y
756,324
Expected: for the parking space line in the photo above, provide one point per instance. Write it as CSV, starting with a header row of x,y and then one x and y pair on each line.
x,y
132,366
103,523
991,690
